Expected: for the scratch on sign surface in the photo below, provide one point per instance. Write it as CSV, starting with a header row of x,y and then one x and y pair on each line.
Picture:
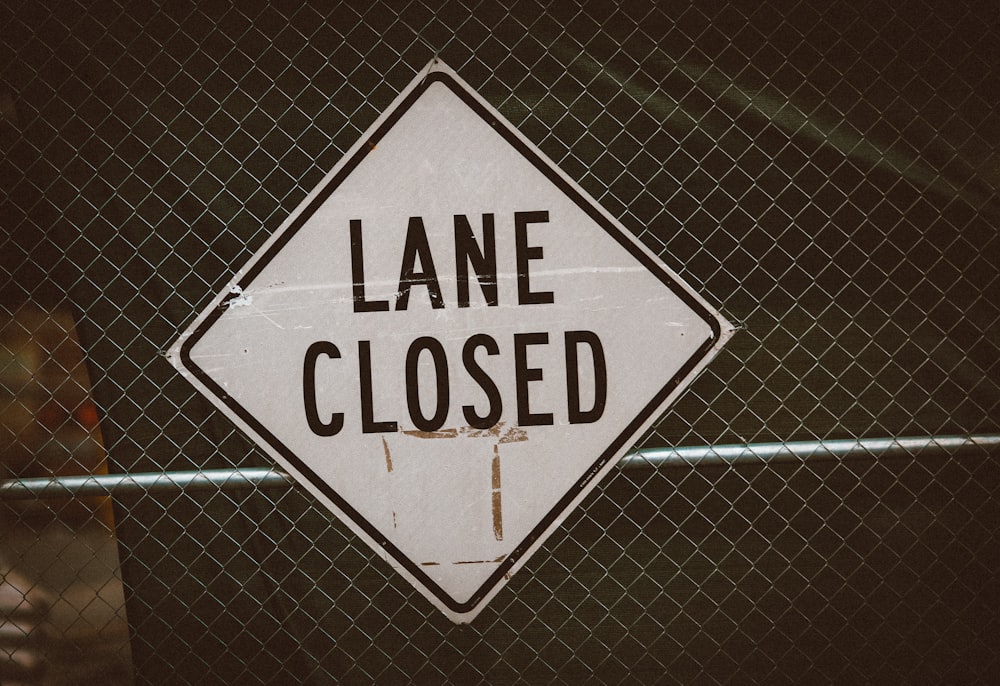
x,y
388,459
443,433
497,511
514,434
481,562
241,299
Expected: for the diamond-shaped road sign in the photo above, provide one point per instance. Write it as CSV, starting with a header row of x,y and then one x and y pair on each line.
x,y
449,343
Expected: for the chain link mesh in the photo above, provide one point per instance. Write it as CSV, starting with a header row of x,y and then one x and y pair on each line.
x,y
825,173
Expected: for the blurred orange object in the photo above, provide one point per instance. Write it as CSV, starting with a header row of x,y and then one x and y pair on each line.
x,y
49,425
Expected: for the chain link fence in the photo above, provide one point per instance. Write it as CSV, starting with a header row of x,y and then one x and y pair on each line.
x,y
824,173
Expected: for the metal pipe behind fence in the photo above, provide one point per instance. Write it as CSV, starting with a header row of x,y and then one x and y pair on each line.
x,y
138,483
800,451
692,456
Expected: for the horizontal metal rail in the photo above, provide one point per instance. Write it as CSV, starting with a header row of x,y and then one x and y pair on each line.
x,y
720,455
143,482
798,451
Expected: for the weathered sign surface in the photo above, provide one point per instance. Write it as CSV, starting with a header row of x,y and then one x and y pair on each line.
x,y
449,343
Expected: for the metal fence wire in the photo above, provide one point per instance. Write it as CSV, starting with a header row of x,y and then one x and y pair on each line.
x,y
825,173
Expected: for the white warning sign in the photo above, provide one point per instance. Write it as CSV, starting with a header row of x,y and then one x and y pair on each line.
x,y
449,343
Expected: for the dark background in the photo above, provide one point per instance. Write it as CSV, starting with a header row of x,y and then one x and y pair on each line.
x,y
824,173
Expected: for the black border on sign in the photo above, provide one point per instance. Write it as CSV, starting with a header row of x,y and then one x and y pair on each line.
x,y
588,205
